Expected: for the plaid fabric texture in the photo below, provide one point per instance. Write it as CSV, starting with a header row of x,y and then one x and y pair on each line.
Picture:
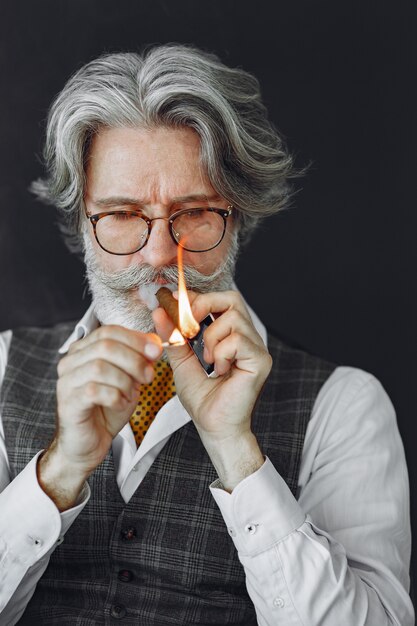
x,y
165,557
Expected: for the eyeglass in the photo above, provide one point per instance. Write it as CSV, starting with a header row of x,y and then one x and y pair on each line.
x,y
126,232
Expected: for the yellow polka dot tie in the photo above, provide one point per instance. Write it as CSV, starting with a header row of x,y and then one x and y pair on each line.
x,y
152,398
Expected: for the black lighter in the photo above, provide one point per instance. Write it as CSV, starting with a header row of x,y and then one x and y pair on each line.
x,y
197,346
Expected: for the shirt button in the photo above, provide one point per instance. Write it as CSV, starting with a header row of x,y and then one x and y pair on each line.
x,y
118,611
232,532
129,533
59,541
278,602
125,575
251,528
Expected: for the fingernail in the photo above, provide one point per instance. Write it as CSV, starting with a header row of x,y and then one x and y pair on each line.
x,y
152,350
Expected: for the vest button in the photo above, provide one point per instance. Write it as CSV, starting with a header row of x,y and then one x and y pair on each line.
x,y
125,575
128,533
118,611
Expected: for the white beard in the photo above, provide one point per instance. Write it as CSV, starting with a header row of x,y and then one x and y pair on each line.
x,y
117,298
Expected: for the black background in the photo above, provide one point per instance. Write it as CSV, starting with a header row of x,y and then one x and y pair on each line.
x,y
336,272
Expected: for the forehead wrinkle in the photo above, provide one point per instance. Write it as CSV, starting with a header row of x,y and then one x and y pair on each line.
x,y
123,200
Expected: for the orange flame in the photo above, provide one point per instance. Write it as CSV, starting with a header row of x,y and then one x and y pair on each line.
x,y
188,324
176,338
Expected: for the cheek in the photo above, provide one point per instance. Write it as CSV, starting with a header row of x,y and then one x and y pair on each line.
x,y
203,262
208,262
112,262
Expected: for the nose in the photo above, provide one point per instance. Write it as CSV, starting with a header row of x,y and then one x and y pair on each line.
x,y
160,250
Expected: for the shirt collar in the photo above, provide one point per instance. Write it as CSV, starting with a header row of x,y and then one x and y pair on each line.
x,y
85,326
89,322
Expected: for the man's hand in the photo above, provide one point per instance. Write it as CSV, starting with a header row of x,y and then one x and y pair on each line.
x,y
221,408
97,391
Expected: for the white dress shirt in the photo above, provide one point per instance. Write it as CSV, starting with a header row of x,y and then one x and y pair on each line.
x,y
337,557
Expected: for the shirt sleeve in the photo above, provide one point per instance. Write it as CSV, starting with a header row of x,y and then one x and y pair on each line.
x,y
31,527
341,554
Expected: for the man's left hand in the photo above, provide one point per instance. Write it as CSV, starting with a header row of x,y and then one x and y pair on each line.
x,y
221,407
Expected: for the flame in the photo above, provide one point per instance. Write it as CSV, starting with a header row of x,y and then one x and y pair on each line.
x,y
188,325
176,338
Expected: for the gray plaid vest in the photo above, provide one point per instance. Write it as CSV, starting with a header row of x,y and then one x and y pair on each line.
x,y
165,557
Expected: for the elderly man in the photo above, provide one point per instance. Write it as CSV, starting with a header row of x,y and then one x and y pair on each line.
x,y
136,487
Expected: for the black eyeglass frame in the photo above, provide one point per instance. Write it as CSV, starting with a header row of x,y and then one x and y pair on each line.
x,y
94,219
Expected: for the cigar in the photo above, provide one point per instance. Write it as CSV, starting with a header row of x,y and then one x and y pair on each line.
x,y
167,301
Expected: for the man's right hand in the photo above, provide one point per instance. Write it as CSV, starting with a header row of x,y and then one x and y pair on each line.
x,y
97,391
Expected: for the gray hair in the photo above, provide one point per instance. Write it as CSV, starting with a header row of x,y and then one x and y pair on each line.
x,y
172,86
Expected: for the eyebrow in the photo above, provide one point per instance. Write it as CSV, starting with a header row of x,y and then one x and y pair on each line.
x,y
125,201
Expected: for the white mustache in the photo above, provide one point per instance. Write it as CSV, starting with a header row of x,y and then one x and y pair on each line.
x,y
133,277
130,278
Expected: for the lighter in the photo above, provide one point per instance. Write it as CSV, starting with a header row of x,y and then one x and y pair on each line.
x,y
197,346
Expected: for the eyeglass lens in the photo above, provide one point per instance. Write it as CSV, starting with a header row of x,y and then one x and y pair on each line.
x,y
196,230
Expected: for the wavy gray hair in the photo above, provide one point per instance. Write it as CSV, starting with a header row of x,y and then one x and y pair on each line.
x,y
174,86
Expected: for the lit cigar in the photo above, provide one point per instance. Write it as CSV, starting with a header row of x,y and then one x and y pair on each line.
x,y
169,304
180,312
